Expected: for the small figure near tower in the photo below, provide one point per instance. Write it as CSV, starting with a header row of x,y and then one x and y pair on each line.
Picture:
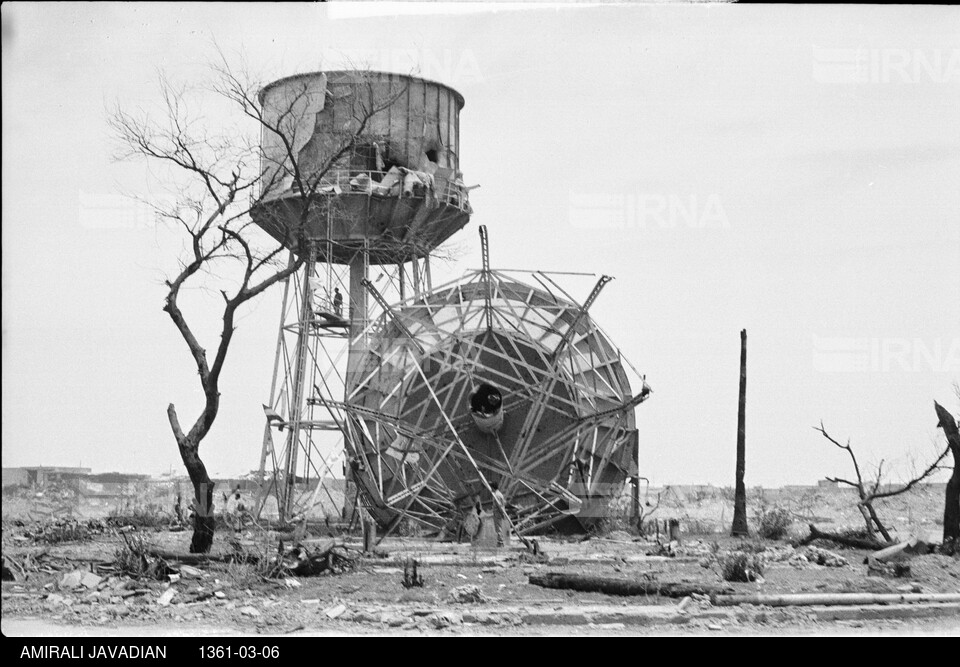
x,y
337,302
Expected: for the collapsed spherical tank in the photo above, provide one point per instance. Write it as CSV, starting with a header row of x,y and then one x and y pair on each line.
x,y
491,381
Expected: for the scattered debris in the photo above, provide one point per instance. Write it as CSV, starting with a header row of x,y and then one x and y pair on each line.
x,y
896,570
899,552
7,572
167,597
444,619
90,580
329,557
335,611
817,556
468,593
832,599
71,580
671,549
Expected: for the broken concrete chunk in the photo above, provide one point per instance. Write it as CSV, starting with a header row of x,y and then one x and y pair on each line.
x,y
190,572
468,593
910,588
824,557
443,619
335,611
71,580
250,611
90,580
898,552
167,597
366,617
392,619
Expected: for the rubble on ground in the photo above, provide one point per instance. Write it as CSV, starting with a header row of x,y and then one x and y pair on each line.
x,y
817,556
467,593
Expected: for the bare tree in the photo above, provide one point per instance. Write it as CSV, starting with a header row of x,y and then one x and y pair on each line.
x,y
220,176
870,490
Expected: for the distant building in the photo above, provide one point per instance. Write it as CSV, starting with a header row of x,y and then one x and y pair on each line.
x,y
827,484
41,476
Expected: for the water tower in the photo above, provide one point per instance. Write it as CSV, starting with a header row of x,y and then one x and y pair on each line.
x,y
377,158
427,396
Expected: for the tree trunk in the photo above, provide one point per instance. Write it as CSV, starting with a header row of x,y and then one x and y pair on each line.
x,y
740,499
613,586
204,520
876,522
867,521
951,507
854,542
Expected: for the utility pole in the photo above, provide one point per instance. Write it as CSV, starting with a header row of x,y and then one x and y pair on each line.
x,y
740,497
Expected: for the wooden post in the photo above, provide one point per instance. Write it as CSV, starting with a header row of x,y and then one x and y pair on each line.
x,y
675,530
740,497
951,507
369,531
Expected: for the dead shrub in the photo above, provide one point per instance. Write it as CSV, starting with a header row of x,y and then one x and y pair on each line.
x,y
244,574
133,559
140,517
773,523
741,566
69,531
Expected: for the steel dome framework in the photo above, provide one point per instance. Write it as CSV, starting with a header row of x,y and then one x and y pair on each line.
x,y
568,441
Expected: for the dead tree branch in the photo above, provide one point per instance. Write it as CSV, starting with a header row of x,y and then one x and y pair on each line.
x,y
870,490
217,187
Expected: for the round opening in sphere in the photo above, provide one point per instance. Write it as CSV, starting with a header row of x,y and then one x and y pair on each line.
x,y
486,399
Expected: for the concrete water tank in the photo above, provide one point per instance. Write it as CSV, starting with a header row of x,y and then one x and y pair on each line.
x,y
382,151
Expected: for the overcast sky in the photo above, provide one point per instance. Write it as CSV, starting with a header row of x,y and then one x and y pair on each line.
x,y
791,170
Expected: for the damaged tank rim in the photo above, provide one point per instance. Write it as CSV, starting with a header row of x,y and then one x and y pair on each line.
x,y
330,74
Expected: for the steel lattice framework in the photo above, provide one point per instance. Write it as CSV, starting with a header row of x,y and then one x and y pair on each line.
x,y
387,381
568,441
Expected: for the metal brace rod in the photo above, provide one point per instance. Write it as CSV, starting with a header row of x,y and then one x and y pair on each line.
x,y
487,293
393,315
572,329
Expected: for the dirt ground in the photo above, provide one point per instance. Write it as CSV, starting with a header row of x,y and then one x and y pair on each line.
x,y
468,590
232,598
